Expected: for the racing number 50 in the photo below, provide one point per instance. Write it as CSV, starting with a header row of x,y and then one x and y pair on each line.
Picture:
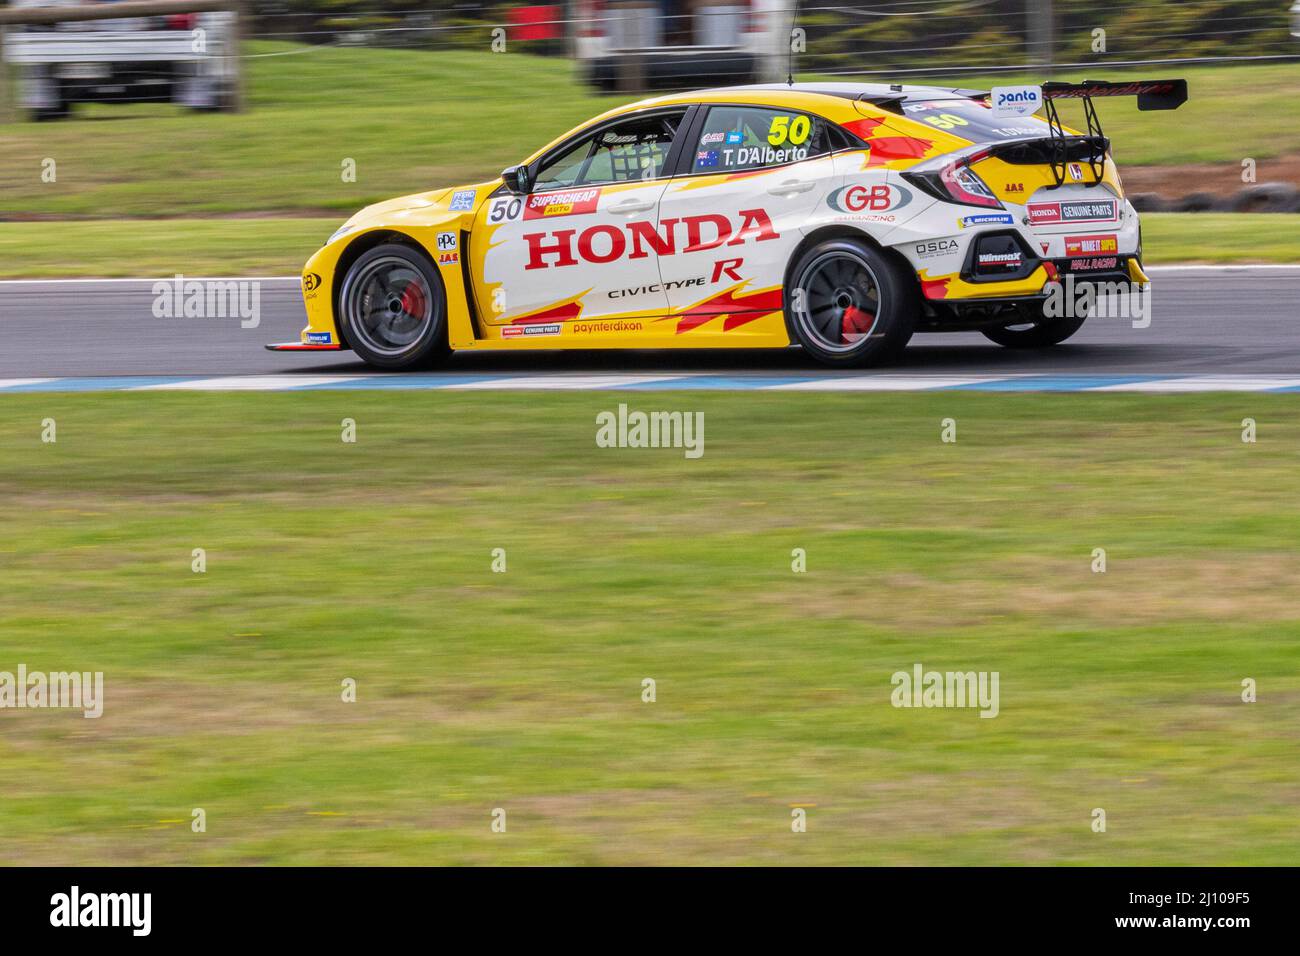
x,y
795,130
505,210
946,121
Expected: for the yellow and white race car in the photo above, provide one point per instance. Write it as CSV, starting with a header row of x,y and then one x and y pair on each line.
x,y
839,217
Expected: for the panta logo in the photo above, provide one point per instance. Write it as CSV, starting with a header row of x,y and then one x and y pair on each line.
x,y
877,198
607,243
1016,100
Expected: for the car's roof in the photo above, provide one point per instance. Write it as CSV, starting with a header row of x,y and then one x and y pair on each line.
x,y
844,90
848,95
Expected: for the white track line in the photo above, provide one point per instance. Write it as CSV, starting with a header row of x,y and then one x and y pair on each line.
x,y
251,383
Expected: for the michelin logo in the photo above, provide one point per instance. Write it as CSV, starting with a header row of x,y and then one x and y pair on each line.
x,y
1016,100
987,219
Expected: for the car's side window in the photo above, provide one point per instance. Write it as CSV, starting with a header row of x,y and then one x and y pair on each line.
x,y
634,149
753,137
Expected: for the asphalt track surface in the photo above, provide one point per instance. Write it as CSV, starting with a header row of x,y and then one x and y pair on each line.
x,y
1228,320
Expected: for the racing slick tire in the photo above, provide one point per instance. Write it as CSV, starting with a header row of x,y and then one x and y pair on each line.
x,y
392,309
848,304
1039,335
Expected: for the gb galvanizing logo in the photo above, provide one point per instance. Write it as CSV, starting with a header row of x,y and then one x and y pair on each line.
x,y
879,197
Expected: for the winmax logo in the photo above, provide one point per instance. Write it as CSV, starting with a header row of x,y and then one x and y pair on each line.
x,y
607,243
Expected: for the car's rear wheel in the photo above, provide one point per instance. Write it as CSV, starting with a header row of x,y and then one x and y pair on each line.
x,y
847,303
392,308
1035,335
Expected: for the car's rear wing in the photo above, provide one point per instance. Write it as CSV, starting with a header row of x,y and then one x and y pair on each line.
x,y
1151,95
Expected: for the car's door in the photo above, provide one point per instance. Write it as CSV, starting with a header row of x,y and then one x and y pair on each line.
x,y
583,243
750,179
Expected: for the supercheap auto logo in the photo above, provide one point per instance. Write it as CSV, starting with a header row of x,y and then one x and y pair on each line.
x,y
1090,245
568,203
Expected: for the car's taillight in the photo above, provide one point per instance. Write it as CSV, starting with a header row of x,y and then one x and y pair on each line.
x,y
956,182
966,187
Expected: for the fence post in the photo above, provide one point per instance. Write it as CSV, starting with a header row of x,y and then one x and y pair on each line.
x,y
1040,33
236,50
6,87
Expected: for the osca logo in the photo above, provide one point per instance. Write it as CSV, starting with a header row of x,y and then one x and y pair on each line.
x,y
310,282
875,198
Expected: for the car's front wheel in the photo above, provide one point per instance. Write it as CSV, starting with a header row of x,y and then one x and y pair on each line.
x,y
847,303
392,308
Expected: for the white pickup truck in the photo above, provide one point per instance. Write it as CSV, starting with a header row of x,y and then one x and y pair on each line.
x,y
182,58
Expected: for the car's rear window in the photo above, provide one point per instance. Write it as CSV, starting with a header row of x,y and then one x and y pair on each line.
x,y
973,120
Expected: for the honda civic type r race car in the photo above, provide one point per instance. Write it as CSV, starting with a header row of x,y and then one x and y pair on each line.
x,y
839,217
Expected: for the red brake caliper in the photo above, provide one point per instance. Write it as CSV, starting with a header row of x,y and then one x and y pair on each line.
x,y
856,322
413,299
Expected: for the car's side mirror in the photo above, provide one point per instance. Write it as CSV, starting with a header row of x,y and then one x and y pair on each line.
x,y
516,179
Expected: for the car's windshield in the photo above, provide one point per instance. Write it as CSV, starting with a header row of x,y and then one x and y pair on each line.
x,y
973,120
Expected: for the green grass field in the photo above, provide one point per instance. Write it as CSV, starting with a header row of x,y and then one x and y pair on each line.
x,y
276,247
522,690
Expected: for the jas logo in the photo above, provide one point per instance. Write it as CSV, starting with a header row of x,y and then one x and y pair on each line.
x,y
1014,188
880,197
607,243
